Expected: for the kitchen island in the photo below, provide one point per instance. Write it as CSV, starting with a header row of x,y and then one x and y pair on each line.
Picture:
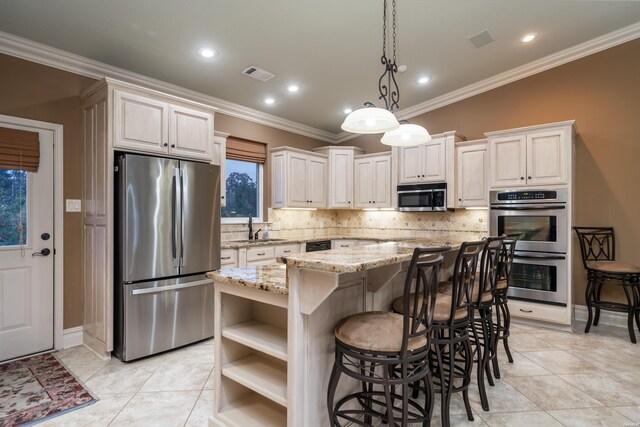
x,y
274,340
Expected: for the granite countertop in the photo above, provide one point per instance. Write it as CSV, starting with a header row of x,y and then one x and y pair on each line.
x,y
360,258
270,278
237,244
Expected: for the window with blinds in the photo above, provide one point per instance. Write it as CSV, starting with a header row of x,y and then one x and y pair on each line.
x,y
19,150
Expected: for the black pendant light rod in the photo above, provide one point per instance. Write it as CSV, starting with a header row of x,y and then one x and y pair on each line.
x,y
387,85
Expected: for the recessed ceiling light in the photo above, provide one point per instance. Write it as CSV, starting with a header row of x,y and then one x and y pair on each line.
x,y
293,88
528,37
348,110
423,80
207,52
269,101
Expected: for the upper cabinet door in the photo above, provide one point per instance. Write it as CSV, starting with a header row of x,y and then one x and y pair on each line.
x,y
381,183
317,182
547,157
191,133
434,162
363,183
298,171
341,179
411,167
508,161
472,176
140,123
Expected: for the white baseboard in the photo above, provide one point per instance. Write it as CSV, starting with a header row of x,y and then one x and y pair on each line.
x,y
72,337
609,318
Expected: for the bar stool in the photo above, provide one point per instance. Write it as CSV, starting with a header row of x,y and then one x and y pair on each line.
x,y
451,356
598,249
482,314
503,315
388,350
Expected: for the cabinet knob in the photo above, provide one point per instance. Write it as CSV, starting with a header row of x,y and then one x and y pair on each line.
x,y
173,145
459,200
528,177
165,144
222,197
522,177
349,201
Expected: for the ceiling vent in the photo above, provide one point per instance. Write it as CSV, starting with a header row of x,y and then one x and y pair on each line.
x,y
258,73
481,39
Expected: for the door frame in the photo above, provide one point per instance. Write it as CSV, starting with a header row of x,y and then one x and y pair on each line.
x,y
58,218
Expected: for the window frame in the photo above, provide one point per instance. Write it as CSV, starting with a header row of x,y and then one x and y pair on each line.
x,y
260,207
28,218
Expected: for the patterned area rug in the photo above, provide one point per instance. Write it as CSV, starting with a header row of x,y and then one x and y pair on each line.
x,y
37,388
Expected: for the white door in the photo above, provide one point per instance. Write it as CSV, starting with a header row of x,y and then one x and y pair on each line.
x,y
297,180
472,176
317,182
26,274
190,133
363,182
141,123
341,179
547,157
434,162
381,186
411,165
508,161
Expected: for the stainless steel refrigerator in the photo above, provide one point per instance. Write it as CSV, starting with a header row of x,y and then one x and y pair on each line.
x,y
167,236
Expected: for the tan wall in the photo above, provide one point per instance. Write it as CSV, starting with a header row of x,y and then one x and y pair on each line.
x,y
37,92
602,93
33,91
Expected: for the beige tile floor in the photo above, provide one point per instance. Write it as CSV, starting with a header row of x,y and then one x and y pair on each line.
x,y
557,379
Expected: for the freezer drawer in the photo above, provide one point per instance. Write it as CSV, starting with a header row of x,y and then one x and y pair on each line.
x,y
162,315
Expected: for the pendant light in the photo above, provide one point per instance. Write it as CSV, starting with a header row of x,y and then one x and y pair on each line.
x,y
407,135
372,119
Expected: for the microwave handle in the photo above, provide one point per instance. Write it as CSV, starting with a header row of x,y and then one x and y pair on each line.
x,y
527,208
415,191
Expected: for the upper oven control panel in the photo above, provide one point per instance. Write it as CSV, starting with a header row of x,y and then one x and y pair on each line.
x,y
529,196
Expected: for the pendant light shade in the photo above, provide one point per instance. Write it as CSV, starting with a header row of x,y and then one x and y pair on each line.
x,y
406,135
370,120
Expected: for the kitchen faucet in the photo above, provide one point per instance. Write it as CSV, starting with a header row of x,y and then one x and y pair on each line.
x,y
250,228
256,235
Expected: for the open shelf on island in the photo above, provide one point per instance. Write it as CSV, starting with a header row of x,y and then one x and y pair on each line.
x,y
261,336
253,410
265,376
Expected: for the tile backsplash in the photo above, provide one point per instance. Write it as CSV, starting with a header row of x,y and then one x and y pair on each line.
x,y
284,223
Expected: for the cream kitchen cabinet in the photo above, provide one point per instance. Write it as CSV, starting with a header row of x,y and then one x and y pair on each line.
x,y
373,181
228,258
533,156
150,123
340,175
471,174
119,116
299,178
220,159
425,162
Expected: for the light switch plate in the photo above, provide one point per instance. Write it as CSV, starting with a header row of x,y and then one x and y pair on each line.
x,y
73,205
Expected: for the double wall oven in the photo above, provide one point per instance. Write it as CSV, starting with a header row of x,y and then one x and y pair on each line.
x,y
539,221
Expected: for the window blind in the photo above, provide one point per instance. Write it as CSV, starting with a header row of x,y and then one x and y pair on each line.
x,y
245,150
19,149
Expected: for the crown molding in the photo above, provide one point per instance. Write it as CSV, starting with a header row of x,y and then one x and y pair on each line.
x,y
587,48
60,59
52,57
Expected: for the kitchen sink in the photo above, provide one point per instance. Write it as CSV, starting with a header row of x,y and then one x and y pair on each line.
x,y
259,240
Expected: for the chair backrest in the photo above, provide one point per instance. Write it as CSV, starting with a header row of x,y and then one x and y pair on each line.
x,y
418,310
464,276
489,269
505,261
596,244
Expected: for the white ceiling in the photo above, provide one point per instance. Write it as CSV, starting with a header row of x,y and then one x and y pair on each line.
x,y
331,48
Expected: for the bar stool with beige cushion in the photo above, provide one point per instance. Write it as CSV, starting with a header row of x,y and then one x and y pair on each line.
x,y
503,315
598,249
451,356
387,351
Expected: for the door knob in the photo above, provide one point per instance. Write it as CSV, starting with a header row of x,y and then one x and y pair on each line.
x,y
43,252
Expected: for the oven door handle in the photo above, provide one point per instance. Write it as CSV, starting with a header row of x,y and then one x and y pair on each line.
x,y
540,257
414,191
527,208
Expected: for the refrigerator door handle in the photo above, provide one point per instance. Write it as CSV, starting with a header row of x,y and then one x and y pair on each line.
x,y
171,287
176,218
183,184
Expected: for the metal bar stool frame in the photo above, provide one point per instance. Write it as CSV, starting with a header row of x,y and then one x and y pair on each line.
x,y
391,369
501,302
598,244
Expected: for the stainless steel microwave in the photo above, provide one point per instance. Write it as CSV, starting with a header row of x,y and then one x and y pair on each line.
x,y
422,197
